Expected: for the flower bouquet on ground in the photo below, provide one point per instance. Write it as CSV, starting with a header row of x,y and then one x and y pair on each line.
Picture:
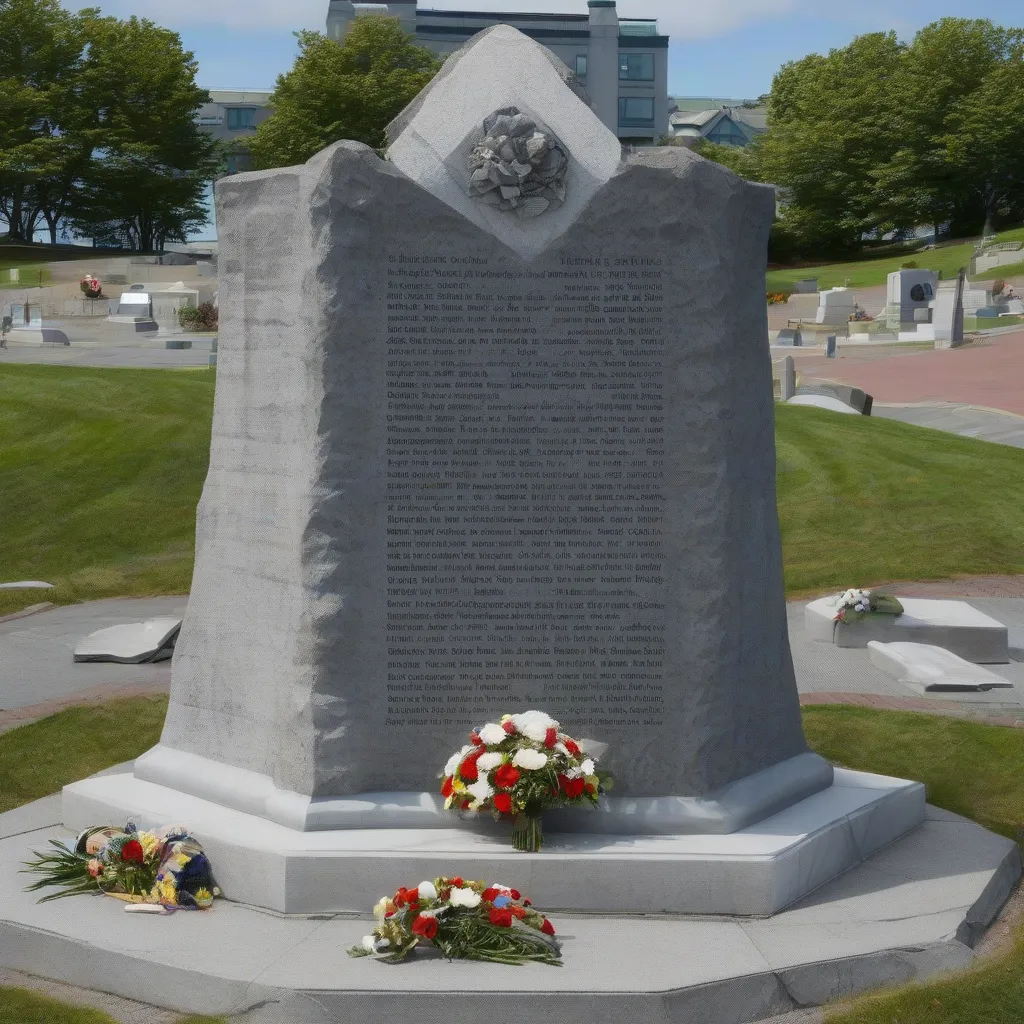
x,y
465,921
520,768
854,605
91,287
165,868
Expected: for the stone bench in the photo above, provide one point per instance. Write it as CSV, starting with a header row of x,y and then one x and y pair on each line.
x,y
953,625
930,669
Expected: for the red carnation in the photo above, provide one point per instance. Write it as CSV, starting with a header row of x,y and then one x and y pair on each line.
x,y
466,804
506,776
572,747
509,727
550,738
457,882
502,803
447,787
468,770
547,927
573,788
132,851
425,925
500,917
490,895
516,894
413,896
517,911
402,897
474,738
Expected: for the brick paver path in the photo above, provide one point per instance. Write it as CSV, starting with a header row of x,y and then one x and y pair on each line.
x,y
988,373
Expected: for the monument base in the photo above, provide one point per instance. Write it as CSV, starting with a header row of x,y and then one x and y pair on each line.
x,y
754,872
733,807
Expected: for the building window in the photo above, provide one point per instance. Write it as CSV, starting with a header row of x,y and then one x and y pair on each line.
x,y
636,67
581,65
241,117
634,109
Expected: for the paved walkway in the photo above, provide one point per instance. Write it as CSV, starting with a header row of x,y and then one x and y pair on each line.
x,y
987,373
152,355
38,676
37,665
965,420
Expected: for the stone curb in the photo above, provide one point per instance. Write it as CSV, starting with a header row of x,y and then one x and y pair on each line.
x,y
30,610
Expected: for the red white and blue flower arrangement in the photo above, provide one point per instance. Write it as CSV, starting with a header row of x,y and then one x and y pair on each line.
x,y
465,921
157,871
518,769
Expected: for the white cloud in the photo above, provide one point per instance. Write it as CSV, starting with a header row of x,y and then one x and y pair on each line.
x,y
676,17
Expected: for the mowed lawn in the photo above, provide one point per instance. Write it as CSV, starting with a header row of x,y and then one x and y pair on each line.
x,y
101,471
100,474
948,258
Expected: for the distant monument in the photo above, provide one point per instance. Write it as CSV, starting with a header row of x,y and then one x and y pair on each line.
x,y
467,461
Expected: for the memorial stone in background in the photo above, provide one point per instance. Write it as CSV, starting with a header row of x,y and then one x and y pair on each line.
x,y
493,431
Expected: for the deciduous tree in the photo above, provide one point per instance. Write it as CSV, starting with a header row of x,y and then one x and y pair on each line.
x,y
348,90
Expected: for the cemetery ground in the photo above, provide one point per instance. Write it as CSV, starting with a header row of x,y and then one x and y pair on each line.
x,y
947,257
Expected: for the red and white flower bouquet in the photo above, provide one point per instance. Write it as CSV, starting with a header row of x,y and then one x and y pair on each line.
x,y
465,921
518,769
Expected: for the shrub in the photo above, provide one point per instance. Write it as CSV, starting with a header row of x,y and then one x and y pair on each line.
x,y
997,288
909,265
204,317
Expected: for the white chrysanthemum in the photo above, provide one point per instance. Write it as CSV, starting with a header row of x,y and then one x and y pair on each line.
x,y
531,760
486,762
587,767
456,759
369,943
427,891
464,898
534,724
480,790
492,734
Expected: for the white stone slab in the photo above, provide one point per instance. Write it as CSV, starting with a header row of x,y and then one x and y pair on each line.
x,y
953,625
131,644
754,872
927,668
822,402
26,585
913,910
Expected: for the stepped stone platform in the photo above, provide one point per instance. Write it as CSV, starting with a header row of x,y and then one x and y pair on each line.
x,y
755,871
913,910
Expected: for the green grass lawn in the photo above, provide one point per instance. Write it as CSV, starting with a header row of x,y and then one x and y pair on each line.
x,y
866,273
31,274
865,501
974,770
21,1006
1009,270
101,471
100,474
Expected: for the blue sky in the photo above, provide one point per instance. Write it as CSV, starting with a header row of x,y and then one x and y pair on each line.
x,y
723,48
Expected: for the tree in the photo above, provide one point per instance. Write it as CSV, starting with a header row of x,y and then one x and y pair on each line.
x,y
828,129
985,143
146,180
348,90
43,137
